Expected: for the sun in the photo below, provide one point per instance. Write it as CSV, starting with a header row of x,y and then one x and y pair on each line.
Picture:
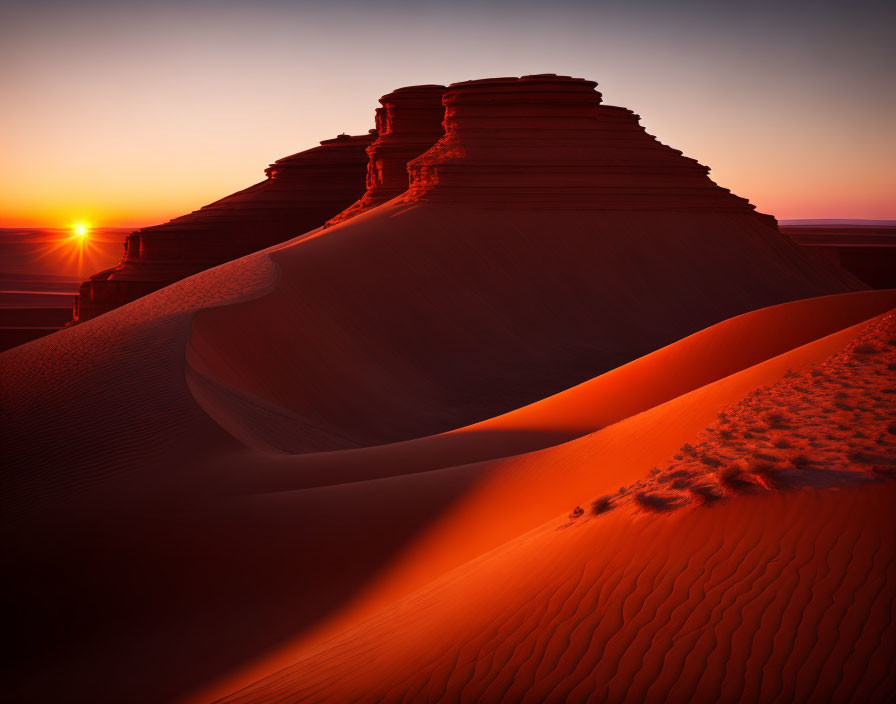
x,y
74,247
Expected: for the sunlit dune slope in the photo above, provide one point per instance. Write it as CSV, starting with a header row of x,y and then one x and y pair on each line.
x,y
729,575
779,597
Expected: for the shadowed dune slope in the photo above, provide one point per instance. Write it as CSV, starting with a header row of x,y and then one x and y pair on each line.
x,y
697,360
108,397
410,320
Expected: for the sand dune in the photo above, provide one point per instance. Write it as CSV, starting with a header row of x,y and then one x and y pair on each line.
x,y
779,597
214,576
767,596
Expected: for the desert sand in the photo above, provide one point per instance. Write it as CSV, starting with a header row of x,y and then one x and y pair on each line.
x,y
464,449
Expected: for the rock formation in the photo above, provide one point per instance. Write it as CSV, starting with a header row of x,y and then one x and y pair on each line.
x,y
545,141
299,194
408,123
544,239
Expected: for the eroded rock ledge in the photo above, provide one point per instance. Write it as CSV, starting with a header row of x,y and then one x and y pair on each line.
x,y
300,192
545,141
408,123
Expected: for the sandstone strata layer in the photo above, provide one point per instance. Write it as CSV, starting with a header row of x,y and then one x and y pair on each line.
x,y
546,141
408,123
300,192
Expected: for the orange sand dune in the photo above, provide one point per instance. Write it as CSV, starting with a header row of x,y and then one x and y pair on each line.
x,y
778,597
660,376
634,605
184,540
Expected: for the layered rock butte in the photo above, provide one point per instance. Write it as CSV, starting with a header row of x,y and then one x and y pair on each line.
x,y
408,123
552,227
546,142
300,192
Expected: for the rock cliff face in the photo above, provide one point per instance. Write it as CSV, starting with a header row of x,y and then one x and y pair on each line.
x,y
299,194
545,141
408,123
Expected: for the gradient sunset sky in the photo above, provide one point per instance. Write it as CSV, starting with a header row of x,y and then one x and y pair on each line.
x,y
128,113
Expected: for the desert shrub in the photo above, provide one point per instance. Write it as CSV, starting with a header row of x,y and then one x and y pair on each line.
x,y
777,420
762,466
734,479
576,512
864,457
866,348
688,449
601,505
782,443
706,493
710,461
659,503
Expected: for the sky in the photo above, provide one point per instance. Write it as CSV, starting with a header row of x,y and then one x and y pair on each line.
x,y
124,113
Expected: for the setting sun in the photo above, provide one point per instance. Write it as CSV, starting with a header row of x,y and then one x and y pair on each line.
x,y
81,229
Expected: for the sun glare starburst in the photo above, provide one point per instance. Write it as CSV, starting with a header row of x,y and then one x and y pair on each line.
x,y
73,248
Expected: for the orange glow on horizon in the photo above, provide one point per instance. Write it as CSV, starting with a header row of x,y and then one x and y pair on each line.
x,y
75,251
189,106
